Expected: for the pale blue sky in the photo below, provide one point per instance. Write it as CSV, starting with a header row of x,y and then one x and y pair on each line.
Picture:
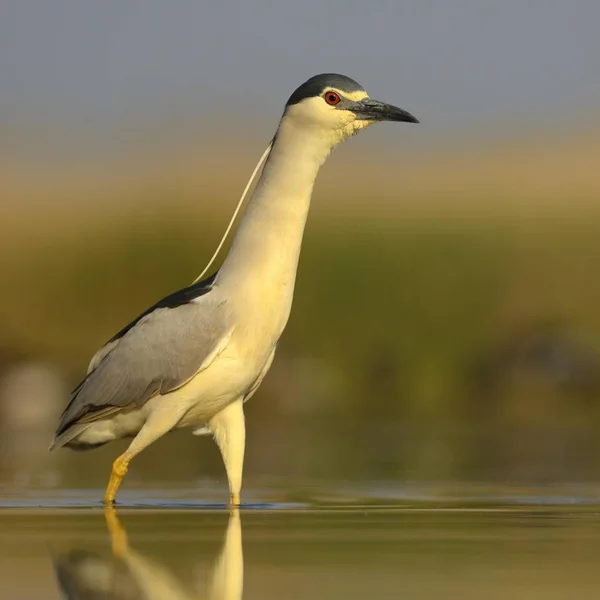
x,y
92,65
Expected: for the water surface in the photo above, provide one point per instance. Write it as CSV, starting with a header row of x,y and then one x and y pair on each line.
x,y
293,550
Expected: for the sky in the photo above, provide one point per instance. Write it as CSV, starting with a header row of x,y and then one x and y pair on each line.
x,y
86,70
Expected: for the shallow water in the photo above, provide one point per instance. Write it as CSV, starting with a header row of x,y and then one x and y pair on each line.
x,y
170,548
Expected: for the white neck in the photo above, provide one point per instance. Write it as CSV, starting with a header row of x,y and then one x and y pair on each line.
x,y
266,247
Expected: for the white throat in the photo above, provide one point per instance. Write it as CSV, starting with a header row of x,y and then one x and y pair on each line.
x,y
266,247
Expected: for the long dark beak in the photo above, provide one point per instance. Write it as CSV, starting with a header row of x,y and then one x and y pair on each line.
x,y
373,110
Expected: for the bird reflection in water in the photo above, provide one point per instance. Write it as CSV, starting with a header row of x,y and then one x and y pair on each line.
x,y
129,575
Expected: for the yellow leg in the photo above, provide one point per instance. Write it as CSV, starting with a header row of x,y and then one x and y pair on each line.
x,y
119,469
118,535
229,430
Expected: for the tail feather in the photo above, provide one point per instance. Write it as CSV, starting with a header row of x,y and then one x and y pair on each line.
x,y
66,436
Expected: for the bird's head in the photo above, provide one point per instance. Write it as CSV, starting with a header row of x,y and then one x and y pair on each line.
x,y
338,106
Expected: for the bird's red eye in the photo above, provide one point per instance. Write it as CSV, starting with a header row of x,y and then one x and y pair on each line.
x,y
332,98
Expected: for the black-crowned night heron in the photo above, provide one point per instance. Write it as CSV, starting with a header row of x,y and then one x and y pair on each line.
x,y
195,357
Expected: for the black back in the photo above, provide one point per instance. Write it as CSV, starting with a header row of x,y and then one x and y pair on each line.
x,y
173,300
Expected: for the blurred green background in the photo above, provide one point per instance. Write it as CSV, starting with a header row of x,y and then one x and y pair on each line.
x,y
445,326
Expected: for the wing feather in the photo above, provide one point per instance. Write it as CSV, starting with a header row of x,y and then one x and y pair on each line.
x,y
160,352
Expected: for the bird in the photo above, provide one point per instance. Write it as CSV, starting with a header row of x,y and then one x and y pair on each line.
x,y
195,357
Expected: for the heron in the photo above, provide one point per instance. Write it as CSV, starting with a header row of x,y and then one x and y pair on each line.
x,y
195,357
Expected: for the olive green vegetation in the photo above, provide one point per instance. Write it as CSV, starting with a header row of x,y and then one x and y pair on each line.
x,y
434,340
445,328
412,317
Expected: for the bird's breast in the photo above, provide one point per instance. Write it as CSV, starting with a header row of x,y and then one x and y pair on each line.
x,y
262,318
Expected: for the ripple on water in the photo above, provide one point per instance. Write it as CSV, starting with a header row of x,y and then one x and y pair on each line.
x,y
381,495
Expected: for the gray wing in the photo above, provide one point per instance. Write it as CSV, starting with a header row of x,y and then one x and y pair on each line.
x,y
158,354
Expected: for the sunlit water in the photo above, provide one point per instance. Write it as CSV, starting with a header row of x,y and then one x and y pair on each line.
x,y
168,546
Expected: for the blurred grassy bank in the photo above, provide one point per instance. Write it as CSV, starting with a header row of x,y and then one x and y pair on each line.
x,y
467,296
